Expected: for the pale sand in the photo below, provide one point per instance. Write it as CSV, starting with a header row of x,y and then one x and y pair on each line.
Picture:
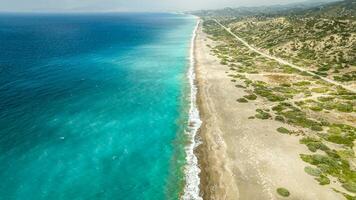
x,y
245,158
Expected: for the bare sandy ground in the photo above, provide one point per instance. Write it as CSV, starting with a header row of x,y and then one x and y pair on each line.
x,y
245,158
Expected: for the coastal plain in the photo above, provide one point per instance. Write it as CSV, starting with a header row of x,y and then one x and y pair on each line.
x,y
263,135
244,158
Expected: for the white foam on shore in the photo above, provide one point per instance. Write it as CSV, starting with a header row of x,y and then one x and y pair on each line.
x,y
192,170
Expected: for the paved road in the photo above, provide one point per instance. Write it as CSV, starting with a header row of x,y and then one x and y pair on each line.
x,y
283,61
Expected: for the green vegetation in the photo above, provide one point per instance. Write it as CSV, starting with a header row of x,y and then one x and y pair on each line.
x,y
312,171
242,100
320,90
240,86
279,118
262,114
344,107
323,180
350,186
283,192
251,97
297,117
347,77
314,144
316,127
332,164
283,130
341,134
268,93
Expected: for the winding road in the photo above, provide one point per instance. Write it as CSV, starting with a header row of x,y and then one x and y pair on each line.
x,y
281,61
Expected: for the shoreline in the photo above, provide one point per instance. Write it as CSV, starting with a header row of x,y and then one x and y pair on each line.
x,y
191,170
216,180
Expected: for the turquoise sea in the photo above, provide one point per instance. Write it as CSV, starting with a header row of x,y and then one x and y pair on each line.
x,y
93,106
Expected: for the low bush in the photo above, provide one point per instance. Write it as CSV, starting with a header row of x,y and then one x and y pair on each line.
x,y
262,114
283,192
242,100
251,97
312,171
283,130
279,118
314,144
323,180
320,90
350,186
344,107
332,164
316,127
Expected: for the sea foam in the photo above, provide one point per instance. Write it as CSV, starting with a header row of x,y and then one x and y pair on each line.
x,y
192,170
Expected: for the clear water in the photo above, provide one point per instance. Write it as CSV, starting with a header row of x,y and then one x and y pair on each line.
x,y
93,106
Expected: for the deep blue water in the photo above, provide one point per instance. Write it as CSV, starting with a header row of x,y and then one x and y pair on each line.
x,y
92,106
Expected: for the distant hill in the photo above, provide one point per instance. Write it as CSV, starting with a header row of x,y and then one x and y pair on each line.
x,y
345,9
307,7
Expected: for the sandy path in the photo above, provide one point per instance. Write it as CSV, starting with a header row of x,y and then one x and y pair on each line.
x,y
243,158
281,61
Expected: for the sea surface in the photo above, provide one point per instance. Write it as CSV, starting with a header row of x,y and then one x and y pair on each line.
x,y
93,106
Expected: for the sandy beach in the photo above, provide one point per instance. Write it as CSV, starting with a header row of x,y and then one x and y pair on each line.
x,y
243,158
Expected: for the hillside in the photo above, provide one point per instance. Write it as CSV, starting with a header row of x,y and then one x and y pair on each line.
x,y
322,38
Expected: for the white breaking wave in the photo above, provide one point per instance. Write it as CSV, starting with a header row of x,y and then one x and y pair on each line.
x,y
192,171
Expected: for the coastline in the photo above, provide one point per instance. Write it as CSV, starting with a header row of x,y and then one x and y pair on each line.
x,y
216,180
192,170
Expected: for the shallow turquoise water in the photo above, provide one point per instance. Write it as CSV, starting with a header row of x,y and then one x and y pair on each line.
x,y
93,106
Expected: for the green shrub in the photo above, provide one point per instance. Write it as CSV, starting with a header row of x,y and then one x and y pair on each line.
x,y
345,78
283,130
320,90
312,171
242,100
350,186
325,99
323,180
247,82
323,122
283,192
262,114
297,117
334,165
223,62
316,108
344,107
346,154
340,139
286,85
267,93
334,130
314,144
240,86
251,97
324,68
302,83
279,118
316,127
278,108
